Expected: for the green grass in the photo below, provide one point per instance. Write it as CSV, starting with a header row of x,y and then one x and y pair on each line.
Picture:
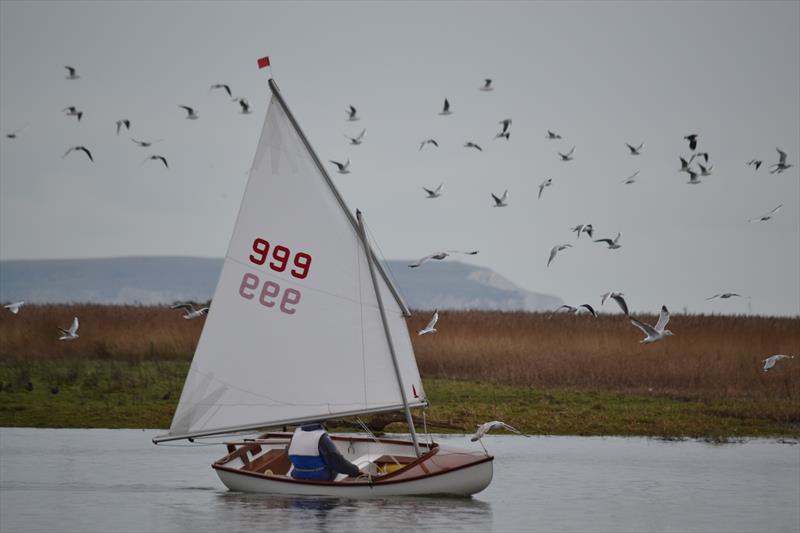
x,y
130,394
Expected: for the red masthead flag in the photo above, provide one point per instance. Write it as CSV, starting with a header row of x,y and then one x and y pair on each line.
x,y
263,62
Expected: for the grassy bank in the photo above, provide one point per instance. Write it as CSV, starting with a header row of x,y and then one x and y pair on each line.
x,y
124,394
545,373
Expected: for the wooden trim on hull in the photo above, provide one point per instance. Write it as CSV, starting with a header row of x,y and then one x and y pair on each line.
x,y
465,480
249,473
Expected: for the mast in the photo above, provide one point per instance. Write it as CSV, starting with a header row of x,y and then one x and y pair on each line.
x,y
370,258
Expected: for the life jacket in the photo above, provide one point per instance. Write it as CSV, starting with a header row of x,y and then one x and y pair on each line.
x,y
305,457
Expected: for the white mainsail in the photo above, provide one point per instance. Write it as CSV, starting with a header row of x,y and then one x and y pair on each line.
x,y
294,332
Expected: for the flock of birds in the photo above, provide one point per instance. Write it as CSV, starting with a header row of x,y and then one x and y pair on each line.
x,y
125,123
696,166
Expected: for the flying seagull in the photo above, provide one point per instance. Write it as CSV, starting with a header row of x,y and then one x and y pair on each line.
x,y
770,361
781,165
158,157
431,327
555,249
546,183
754,163
487,85
145,144
428,141
635,150
583,228
704,171
355,141
438,256
244,104
72,111
470,144
612,244
434,193
13,134
574,310
446,108
506,122
343,168
70,334
351,114
724,295
502,201
14,307
768,216
190,311
82,149
552,135
631,179
657,332
568,155
483,429
123,122
72,73
190,113
222,86
692,140
617,297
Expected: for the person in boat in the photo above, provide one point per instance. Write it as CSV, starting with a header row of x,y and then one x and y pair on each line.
x,y
314,455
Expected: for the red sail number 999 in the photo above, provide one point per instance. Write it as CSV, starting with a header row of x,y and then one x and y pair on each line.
x,y
279,258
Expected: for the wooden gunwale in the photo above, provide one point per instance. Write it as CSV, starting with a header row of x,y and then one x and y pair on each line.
x,y
382,480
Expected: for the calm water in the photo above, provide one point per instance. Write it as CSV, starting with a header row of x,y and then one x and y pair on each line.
x,y
116,480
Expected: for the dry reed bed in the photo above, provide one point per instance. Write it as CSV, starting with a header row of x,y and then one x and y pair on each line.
x,y
710,357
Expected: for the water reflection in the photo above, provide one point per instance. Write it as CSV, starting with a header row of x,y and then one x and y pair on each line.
x,y
303,513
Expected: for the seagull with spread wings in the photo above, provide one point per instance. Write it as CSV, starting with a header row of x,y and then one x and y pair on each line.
x,y
158,158
583,228
552,135
768,216
72,74
70,334
222,86
82,149
428,141
431,327
446,108
631,179
190,112
546,183
781,165
434,193
344,168
487,85
554,251
657,332
568,155
617,297
612,244
351,114
14,307
502,201
439,256
189,311
355,141
635,150
770,361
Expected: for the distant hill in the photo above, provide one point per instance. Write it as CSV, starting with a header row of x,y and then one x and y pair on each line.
x,y
159,280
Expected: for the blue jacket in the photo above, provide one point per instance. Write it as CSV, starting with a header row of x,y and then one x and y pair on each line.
x,y
326,464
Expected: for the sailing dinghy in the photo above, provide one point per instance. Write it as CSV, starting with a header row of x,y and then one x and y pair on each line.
x,y
306,326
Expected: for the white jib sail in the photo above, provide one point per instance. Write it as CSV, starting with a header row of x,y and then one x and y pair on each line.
x,y
294,331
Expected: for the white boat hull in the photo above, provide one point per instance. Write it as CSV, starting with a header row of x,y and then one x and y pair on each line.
x,y
439,471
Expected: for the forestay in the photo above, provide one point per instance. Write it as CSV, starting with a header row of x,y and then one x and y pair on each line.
x,y
294,331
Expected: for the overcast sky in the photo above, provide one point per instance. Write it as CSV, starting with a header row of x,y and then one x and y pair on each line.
x,y
601,74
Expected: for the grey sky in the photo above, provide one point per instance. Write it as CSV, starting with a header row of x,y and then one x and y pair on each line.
x,y
601,74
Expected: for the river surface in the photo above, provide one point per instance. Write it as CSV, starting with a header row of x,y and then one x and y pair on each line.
x,y
73,480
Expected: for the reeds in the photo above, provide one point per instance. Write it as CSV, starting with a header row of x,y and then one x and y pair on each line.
x,y
710,357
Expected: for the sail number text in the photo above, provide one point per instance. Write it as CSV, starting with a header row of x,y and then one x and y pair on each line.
x,y
270,293
278,258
